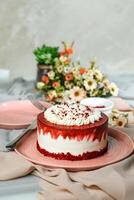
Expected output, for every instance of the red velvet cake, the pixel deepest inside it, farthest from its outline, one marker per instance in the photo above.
(72, 132)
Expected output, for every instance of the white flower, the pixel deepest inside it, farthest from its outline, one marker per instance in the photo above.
(68, 85)
(76, 73)
(77, 94)
(90, 72)
(94, 93)
(60, 68)
(113, 89)
(67, 69)
(51, 75)
(40, 85)
(90, 84)
(121, 121)
(98, 75)
(63, 59)
(105, 91)
(88, 75)
(79, 82)
(75, 69)
(118, 118)
(66, 95)
(106, 83)
(52, 94)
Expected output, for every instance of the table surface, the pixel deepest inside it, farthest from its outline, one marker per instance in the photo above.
(27, 187)
(21, 188)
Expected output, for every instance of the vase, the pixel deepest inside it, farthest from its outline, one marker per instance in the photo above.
(41, 71)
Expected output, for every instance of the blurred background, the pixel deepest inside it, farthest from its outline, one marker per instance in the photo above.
(101, 29)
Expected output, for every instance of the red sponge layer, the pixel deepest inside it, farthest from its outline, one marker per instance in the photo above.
(69, 156)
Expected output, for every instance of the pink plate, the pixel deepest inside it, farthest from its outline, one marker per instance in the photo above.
(17, 114)
(120, 147)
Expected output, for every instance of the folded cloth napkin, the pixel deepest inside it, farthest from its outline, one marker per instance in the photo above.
(112, 182)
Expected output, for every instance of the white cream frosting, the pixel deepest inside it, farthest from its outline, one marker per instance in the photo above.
(61, 145)
(70, 115)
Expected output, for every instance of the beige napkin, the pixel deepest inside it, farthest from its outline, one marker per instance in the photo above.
(108, 183)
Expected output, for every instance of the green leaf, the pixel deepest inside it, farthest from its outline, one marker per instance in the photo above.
(60, 89)
(41, 54)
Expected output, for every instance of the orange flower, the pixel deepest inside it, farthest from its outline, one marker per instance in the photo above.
(67, 61)
(45, 79)
(69, 77)
(62, 53)
(56, 84)
(64, 59)
(68, 51)
(83, 71)
(49, 98)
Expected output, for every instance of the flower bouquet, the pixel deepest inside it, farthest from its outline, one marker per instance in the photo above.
(69, 81)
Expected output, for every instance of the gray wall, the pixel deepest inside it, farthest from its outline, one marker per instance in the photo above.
(101, 28)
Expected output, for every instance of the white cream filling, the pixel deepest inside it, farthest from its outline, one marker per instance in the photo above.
(70, 115)
(61, 145)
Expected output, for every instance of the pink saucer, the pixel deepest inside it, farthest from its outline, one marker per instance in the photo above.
(120, 147)
(17, 114)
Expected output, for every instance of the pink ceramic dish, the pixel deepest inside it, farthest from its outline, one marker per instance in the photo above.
(120, 147)
(17, 114)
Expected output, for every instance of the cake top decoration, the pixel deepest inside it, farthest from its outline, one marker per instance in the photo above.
(71, 115)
